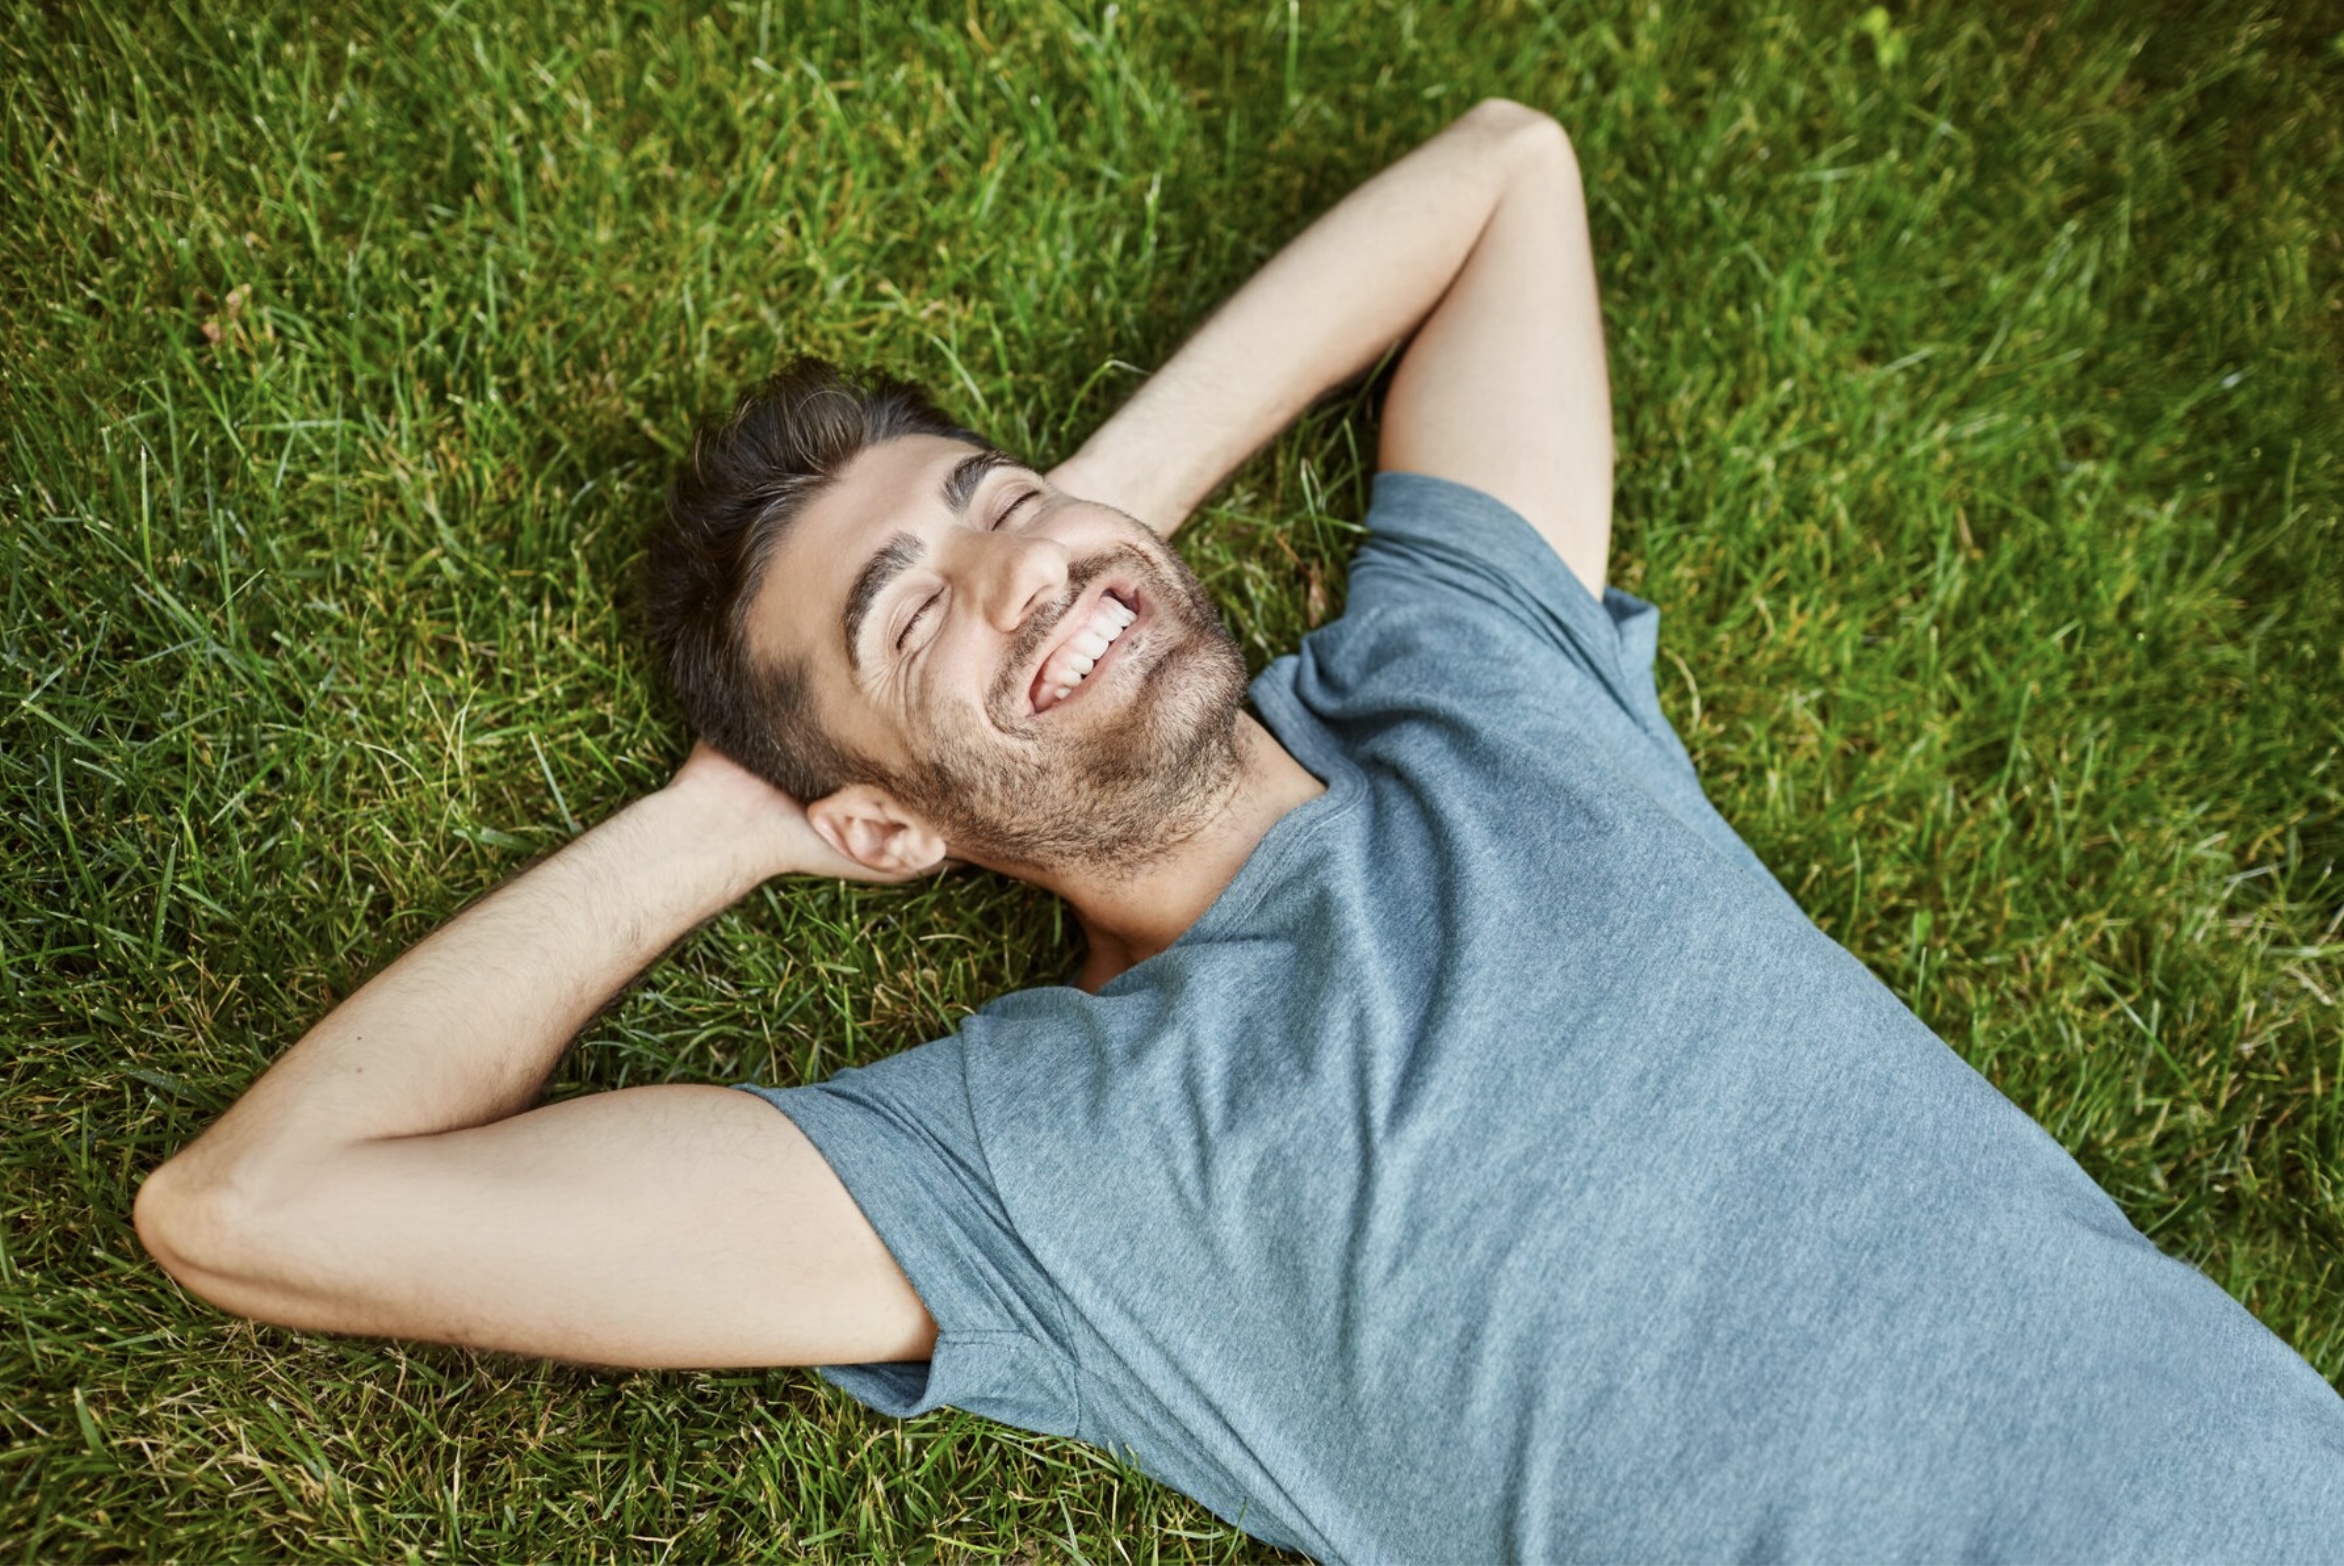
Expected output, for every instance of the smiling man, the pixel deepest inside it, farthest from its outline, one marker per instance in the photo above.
(1035, 677)
(1455, 1144)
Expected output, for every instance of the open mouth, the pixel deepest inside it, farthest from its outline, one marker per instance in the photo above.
(1089, 640)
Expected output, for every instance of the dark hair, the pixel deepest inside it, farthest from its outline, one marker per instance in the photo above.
(728, 506)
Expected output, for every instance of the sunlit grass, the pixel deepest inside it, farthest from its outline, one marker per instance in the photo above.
(1980, 435)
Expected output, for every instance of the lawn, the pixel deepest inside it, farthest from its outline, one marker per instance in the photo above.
(1980, 387)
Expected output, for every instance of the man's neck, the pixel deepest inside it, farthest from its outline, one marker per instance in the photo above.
(1129, 915)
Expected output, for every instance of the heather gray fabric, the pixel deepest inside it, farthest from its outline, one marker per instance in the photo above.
(1504, 1168)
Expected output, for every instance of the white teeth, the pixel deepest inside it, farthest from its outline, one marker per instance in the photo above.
(1081, 652)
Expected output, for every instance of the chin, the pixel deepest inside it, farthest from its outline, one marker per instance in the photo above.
(1120, 785)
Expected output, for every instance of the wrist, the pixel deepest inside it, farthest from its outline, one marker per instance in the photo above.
(1157, 482)
(720, 849)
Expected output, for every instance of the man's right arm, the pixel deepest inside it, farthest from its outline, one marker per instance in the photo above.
(1476, 243)
(387, 1176)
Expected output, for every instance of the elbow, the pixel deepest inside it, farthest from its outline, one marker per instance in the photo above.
(252, 1236)
(1526, 147)
(1524, 139)
(190, 1224)
(169, 1214)
(1514, 124)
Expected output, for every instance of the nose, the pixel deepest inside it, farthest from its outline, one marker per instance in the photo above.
(1015, 574)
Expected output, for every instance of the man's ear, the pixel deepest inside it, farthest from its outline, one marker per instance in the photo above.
(871, 827)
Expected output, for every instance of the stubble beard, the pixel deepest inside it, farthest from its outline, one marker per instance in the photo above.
(1110, 795)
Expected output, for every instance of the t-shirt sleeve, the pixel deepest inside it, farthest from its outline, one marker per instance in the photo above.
(1432, 541)
(900, 1136)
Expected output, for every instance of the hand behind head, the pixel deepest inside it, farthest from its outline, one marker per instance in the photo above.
(774, 836)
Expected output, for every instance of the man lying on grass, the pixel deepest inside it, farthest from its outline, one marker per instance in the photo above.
(1455, 1145)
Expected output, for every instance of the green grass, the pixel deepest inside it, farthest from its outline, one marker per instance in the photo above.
(1981, 435)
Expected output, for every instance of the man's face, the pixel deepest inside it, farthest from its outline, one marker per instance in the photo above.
(1038, 676)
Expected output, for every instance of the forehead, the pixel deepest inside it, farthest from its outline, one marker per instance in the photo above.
(889, 488)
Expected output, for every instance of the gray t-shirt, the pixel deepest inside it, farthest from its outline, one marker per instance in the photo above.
(1504, 1167)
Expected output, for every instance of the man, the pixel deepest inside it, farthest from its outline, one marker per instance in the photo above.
(1456, 1145)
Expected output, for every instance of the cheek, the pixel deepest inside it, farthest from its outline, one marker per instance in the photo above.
(948, 697)
(959, 669)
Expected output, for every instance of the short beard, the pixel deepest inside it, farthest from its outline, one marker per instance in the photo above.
(1116, 798)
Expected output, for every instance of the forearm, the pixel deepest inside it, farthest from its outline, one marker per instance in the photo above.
(1353, 284)
(465, 1028)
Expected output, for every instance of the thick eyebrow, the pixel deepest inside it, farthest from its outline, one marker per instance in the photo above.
(960, 485)
(903, 551)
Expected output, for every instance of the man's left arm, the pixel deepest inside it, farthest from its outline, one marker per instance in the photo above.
(1477, 244)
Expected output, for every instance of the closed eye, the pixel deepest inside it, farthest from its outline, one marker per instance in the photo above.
(918, 615)
(1011, 509)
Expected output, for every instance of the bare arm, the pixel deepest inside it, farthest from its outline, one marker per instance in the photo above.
(386, 1176)
(1477, 244)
